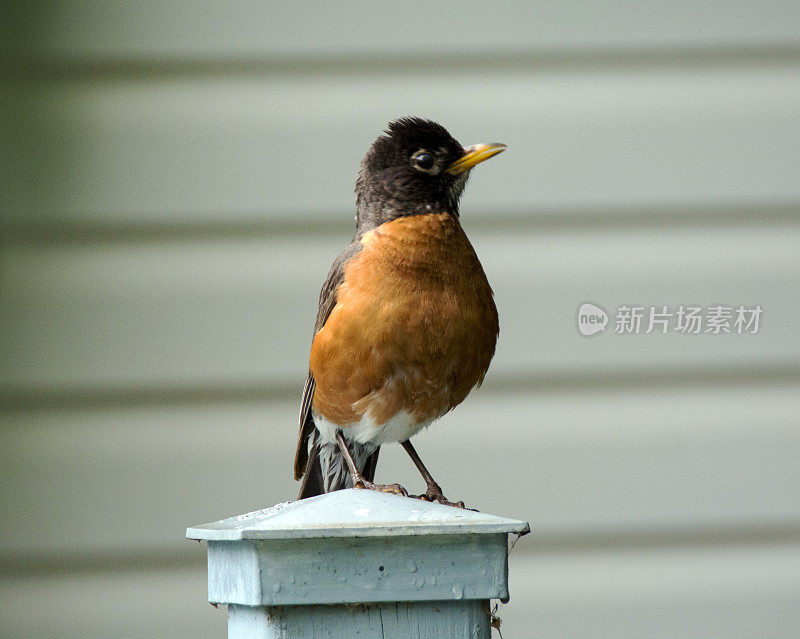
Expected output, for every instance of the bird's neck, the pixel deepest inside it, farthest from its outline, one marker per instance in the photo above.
(373, 215)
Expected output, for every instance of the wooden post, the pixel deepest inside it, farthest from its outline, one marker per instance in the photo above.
(358, 563)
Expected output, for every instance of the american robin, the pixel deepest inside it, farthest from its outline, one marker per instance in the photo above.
(406, 325)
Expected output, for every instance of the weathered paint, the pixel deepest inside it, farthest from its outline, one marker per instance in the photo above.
(421, 620)
(358, 563)
(355, 513)
(358, 569)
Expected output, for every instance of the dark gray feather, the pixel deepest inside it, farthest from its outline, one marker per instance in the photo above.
(327, 300)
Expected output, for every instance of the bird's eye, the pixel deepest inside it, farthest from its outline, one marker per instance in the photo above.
(423, 160)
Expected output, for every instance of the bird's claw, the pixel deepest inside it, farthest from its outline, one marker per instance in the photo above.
(394, 489)
(434, 493)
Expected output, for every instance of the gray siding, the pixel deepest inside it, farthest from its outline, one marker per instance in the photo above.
(179, 182)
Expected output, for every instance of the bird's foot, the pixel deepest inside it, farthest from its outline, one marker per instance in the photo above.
(395, 489)
(434, 493)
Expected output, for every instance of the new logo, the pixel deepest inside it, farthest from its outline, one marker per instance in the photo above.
(591, 319)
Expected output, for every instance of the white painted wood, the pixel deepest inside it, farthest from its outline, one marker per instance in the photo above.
(234, 314)
(653, 159)
(99, 30)
(427, 620)
(712, 591)
(675, 463)
(391, 567)
(91, 604)
(286, 148)
(315, 567)
(354, 513)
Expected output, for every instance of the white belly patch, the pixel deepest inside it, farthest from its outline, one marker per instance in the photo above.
(399, 428)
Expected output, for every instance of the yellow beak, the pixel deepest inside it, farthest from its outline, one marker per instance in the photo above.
(474, 155)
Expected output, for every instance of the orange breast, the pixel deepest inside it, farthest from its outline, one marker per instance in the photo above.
(414, 327)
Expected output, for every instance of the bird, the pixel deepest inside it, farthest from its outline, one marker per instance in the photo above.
(406, 324)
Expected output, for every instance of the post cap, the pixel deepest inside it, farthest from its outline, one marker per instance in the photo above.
(354, 513)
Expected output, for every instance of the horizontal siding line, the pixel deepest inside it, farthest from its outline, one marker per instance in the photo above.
(536, 543)
(79, 397)
(101, 562)
(545, 60)
(733, 534)
(249, 226)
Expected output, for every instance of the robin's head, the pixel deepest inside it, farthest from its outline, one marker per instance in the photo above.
(416, 168)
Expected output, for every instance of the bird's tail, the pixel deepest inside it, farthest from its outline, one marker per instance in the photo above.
(327, 470)
(312, 479)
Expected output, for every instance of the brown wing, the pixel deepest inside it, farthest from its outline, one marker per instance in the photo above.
(327, 300)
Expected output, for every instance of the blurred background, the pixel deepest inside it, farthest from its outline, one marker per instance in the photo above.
(177, 179)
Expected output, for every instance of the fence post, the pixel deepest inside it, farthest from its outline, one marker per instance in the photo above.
(358, 563)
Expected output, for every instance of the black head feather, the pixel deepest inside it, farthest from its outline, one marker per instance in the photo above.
(404, 174)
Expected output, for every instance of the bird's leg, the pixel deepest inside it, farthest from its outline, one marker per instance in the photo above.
(358, 479)
(434, 492)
